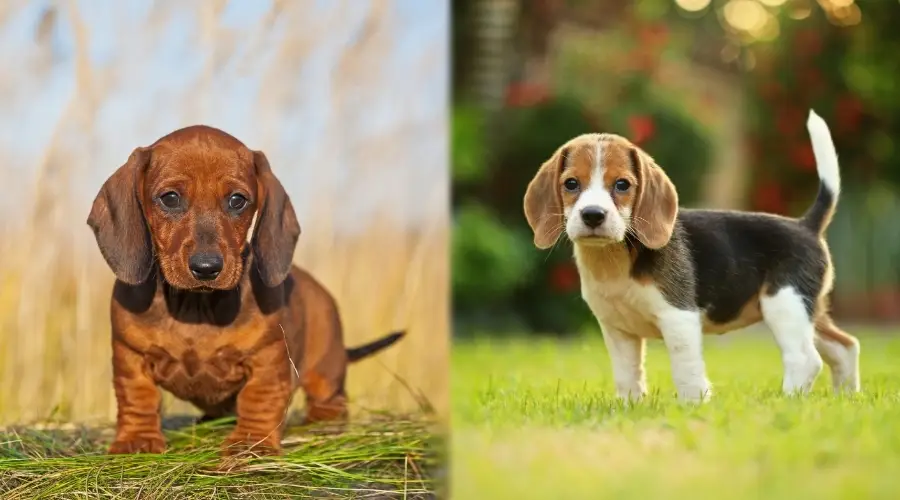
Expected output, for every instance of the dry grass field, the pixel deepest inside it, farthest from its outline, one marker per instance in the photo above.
(359, 146)
(378, 245)
(386, 458)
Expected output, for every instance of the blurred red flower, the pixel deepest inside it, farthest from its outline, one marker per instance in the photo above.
(653, 34)
(771, 91)
(642, 128)
(803, 157)
(848, 111)
(564, 277)
(807, 43)
(525, 94)
(642, 61)
(769, 197)
(789, 120)
(811, 80)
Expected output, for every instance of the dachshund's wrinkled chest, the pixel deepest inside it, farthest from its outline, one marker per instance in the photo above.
(204, 378)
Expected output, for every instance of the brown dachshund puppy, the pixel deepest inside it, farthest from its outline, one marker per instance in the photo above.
(203, 308)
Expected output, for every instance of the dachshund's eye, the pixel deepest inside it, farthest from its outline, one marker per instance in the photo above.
(170, 200)
(622, 185)
(237, 202)
(571, 184)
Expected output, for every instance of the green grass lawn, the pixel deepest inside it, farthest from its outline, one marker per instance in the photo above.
(538, 419)
(383, 459)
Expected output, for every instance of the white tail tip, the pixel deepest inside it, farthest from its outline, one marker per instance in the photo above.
(815, 121)
(823, 148)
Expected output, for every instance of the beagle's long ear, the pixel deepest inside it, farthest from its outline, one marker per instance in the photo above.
(656, 206)
(277, 229)
(118, 221)
(543, 203)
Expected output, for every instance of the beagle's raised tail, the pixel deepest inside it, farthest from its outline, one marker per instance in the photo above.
(819, 214)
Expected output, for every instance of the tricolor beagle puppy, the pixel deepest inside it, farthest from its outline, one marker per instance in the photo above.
(651, 270)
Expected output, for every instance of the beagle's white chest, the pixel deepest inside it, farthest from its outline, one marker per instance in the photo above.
(624, 305)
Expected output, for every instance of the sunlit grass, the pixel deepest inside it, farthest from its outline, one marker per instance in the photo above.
(537, 419)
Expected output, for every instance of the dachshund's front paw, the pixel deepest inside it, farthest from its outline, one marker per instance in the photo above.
(249, 443)
(138, 444)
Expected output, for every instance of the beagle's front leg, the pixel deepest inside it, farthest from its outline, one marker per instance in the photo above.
(626, 355)
(682, 332)
(262, 403)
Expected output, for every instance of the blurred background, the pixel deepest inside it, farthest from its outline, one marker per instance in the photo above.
(718, 91)
(347, 98)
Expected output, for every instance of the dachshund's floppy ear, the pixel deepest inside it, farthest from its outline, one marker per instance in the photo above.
(277, 229)
(656, 205)
(543, 203)
(118, 222)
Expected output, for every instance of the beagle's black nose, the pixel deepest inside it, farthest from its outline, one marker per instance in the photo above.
(206, 266)
(593, 216)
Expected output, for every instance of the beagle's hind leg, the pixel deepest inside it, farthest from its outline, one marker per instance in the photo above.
(786, 314)
(840, 351)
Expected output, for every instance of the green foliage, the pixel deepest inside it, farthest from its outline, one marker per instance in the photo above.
(528, 137)
(612, 80)
(489, 259)
(675, 140)
(593, 89)
(847, 74)
(552, 303)
(531, 134)
(864, 239)
(652, 10)
(468, 156)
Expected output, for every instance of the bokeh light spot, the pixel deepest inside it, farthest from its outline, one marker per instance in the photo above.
(693, 5)
(846, 16)
(747, 16)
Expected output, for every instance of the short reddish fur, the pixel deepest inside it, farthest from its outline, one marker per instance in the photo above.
(237, 344)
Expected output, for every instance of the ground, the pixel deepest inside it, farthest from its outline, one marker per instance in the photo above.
(388, 458)
(537, 419)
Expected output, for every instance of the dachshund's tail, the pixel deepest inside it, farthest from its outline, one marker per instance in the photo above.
(366, 350)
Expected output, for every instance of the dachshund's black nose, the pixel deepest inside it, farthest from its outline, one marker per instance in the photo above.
(206, 266)
(593, 216)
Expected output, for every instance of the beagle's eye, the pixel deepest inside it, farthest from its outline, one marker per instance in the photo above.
(237, 202)
(622, 185)
(170, 200)
(571, 184)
